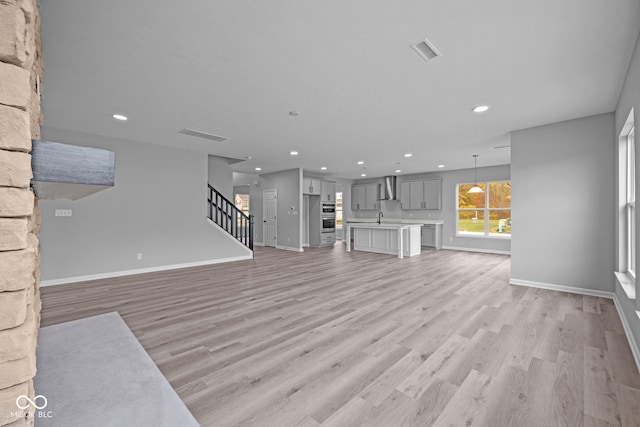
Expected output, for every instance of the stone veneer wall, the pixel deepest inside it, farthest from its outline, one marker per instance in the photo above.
(21, 72)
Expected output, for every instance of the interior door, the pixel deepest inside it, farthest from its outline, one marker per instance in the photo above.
(270, 217)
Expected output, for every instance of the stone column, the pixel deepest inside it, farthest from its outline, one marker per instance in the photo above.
(20, 118)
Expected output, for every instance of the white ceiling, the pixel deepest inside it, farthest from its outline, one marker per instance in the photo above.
(236, 68)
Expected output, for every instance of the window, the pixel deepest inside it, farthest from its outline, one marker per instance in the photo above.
(487, 213)
(626, 201)
(630, 240)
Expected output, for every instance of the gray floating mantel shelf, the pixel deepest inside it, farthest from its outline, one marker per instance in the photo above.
(70, 172)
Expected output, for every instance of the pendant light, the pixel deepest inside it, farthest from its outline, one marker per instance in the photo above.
(475, 188)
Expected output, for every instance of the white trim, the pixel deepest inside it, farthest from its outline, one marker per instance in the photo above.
(289, 248)
(258, 244)
(231, 238)
(627, 331)
(635, 350)
(486, 210)
(562, 288)
(627, 283)
(473, 235)
(487, 251)
(140, 271)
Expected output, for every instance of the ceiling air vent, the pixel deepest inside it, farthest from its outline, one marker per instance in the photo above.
(204, 135)
(426, 49)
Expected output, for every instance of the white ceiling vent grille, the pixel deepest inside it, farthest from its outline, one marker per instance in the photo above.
(426, 50)
(204, 135)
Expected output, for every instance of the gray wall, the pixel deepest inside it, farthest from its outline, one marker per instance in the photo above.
(221, 176)
(157, 207)
(391, 208)
(562, 201)
(240, 179)
(630, 98)
(288, 184)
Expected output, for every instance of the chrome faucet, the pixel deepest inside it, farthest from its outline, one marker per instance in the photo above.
(380, 214)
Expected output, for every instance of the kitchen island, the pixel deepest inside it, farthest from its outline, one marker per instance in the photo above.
(385, 238)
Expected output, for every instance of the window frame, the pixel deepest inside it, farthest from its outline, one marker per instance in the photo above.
(486, 234)
(626, 267)
(630, 204)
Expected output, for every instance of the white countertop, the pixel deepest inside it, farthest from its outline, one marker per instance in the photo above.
(375, 224)
(353, 221)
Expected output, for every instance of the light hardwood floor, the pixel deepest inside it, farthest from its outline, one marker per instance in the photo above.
(332, 338)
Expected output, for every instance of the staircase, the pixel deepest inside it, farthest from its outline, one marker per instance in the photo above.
(231, 219)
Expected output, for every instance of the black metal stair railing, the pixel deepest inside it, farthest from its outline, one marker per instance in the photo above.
(235, 222)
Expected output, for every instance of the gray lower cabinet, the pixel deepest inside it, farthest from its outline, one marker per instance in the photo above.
(432, 236)
(327, 238)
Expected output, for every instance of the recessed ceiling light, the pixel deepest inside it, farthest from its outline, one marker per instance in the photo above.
(324, 168)
(480, 108)
(120, 117)
(258, 169)
(440, 166)
(363, 174)
(398, 171)
(360, 162)
(294, 153)
(408, 155)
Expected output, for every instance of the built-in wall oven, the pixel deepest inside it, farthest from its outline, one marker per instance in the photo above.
(328, 217)
(328, 225)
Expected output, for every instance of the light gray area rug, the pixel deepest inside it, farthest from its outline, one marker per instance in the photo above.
(94, 372)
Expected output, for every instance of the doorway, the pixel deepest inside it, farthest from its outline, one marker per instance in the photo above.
(270, 217)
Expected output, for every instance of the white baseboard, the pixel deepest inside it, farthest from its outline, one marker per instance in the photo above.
(627, 331)
(289, 248)
(635, 350)
(109, 275)
(486, 251)
(286, 248)
(562, 288)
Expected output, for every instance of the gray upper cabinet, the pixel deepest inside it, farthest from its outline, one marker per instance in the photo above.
(432, 194)
(328, 191)
(372, 191)
(425, 194)
(311, 186)
(416, 194)
(405, 195)
(357, 197)
(365, 197)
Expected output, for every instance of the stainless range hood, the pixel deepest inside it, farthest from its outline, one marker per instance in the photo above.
(389, 189)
